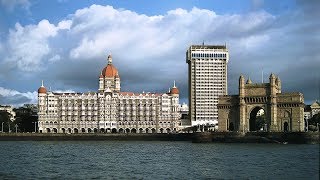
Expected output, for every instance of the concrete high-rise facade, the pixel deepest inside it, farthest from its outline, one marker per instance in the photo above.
(207, 66)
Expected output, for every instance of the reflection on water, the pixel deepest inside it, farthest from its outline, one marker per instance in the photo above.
(156, 160)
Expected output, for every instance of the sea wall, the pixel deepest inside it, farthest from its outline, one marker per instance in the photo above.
(216, 137)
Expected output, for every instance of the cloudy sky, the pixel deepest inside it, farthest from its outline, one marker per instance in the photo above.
(65, 43)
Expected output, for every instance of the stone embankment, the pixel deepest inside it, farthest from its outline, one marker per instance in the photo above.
(216, 137)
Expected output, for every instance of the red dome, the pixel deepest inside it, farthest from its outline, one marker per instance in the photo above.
(174, 90)
(42, 89)
(109, 71)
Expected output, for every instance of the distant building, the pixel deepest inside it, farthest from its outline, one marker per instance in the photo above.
(311, 110)
(315, 108)
(283, 111)
(307, 112)
(8, 109)
(260, 112)
(207, 66)
(109, 109)
(184, 111)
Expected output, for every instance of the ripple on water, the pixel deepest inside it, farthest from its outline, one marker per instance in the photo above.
(156, 160)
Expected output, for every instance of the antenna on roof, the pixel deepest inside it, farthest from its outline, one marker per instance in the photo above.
(203, 43)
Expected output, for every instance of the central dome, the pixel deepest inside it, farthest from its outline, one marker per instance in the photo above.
(109, 71)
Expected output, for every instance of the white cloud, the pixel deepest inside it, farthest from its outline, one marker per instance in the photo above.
(28, 47)
(149, 51)
(92, 32)
(102, 28)
(16, 98)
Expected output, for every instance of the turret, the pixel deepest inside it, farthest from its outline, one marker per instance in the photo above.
(272, 79)
(278, 83)
(42, 89)
(249, 81)
(241, 85)
(174, 90)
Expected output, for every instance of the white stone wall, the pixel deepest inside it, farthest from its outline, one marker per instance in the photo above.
(107, 111)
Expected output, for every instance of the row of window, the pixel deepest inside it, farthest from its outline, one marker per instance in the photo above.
(209, 55)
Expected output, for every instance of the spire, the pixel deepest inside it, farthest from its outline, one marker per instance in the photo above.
(42, 83)
(174, 84)
(110, 59)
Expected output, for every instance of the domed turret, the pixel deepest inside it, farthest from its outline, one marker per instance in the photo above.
(42, 89)
(174, 89)
(109, 71)
(249, 81)
(101, 76)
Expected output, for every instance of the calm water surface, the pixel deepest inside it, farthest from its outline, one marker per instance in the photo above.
(156, 160)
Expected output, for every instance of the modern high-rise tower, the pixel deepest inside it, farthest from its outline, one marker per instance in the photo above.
(207, 66)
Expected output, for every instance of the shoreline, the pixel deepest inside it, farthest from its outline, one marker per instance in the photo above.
(198, 137)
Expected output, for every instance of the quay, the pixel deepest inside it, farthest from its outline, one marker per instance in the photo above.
(198, 137)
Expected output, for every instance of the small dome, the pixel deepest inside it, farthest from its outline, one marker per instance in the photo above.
(174, 90)
(101, 76)
(117, 75)
(249, 81)
(42, 89)
(109, 71)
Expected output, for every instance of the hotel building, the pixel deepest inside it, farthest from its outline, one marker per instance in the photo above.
(109, 109)
(207, 66)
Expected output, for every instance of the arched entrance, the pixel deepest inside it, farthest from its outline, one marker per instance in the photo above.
(83, 130)
(63, 130)
(76, 130)
(257, 121)
(89, 130)
(140, 130)
(55, 130)
(48, 130)
(161, 130)
(133, 130)
(114, 130)
(120, 130)
(153, 130)
(168, 130)
(231, 126)
(69, 130)
(285, 127)
(127, 130)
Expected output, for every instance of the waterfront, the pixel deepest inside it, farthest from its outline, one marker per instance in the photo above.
(156, 160)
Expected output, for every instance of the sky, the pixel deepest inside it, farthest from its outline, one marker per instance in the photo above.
(65, 43)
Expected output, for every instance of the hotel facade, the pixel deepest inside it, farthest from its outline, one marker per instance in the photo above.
(207, 66)
(109, 110)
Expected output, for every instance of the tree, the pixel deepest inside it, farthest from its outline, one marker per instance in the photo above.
(314, 120)
(5, 119)
(260, 122)
(25, 119)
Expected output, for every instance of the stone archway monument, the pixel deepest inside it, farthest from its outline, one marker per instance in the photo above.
(282, 111)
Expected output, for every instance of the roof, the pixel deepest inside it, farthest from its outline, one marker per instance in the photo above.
(110, 71)
(208, 47)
